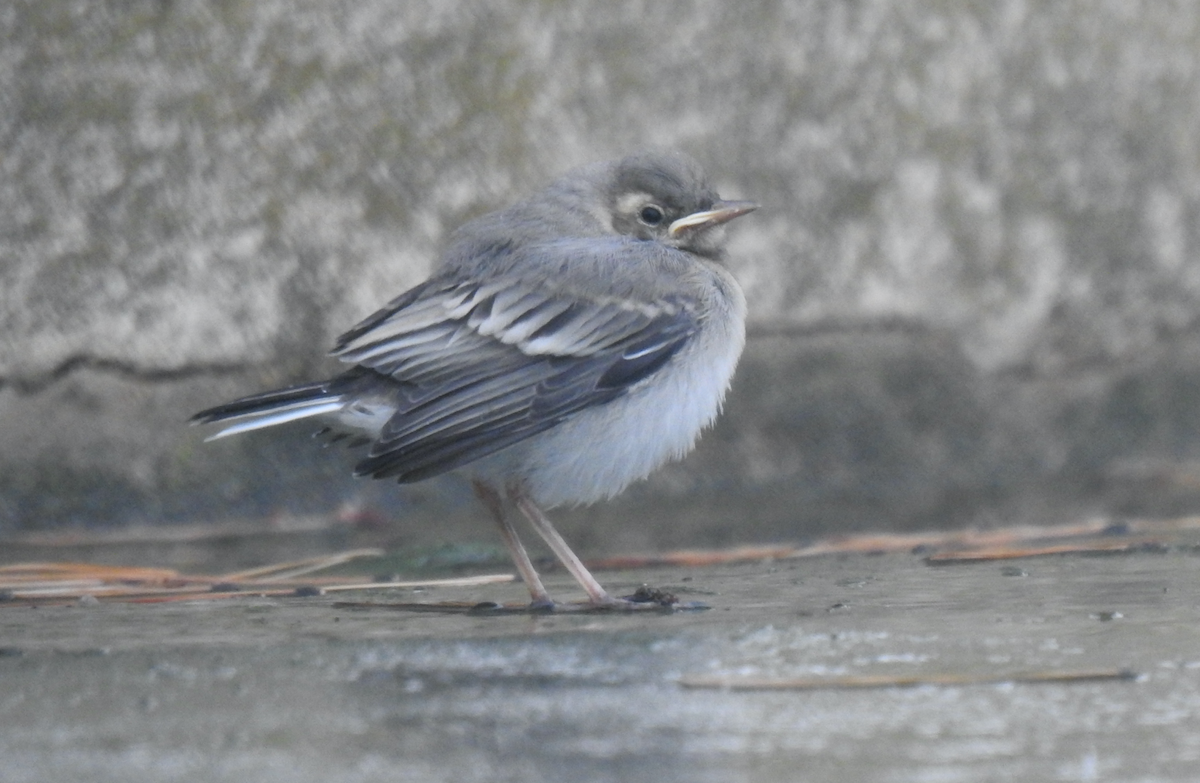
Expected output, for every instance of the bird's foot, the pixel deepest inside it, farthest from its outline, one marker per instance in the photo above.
(645, 598)
(542, 605)
(652, 595)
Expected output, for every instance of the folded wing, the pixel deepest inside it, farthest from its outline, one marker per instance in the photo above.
(483, 365)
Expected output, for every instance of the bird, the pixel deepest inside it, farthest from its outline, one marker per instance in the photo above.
(560, 349)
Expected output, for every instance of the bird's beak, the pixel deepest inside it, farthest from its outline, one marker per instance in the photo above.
(721, 212)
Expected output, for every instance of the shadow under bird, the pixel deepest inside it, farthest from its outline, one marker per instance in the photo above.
(562, 348)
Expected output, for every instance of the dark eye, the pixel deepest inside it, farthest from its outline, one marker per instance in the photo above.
(651, 215)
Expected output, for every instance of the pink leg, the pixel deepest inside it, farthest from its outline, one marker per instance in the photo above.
(495, 504)
(596, 594)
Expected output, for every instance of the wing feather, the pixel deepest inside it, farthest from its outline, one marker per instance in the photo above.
(480, 365)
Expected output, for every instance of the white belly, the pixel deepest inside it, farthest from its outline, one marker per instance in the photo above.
(599, 452)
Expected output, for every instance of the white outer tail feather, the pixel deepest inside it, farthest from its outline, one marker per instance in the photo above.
(261, 419)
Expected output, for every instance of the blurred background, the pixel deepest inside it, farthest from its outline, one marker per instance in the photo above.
(972, 286)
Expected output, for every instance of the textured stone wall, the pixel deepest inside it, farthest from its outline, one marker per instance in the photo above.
(973, 284)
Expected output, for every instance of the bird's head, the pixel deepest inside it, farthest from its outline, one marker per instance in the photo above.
(665, 197)
(651, 196)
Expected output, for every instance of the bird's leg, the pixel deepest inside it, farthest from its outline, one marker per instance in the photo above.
(596, 594)
(495, 504)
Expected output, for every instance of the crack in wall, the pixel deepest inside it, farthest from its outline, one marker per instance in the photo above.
(124, 369)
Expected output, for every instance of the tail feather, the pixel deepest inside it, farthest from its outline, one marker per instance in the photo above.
(278, 416)
(271, 408)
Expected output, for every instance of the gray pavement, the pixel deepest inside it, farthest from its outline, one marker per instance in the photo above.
(302, 690)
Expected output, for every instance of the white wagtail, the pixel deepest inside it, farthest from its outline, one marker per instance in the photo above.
(561, 349)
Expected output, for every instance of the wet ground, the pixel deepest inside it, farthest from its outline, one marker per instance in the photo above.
(302, 689)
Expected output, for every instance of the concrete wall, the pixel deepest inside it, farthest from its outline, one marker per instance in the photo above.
(973, 284)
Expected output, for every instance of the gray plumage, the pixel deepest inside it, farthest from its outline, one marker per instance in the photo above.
(561, 349)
